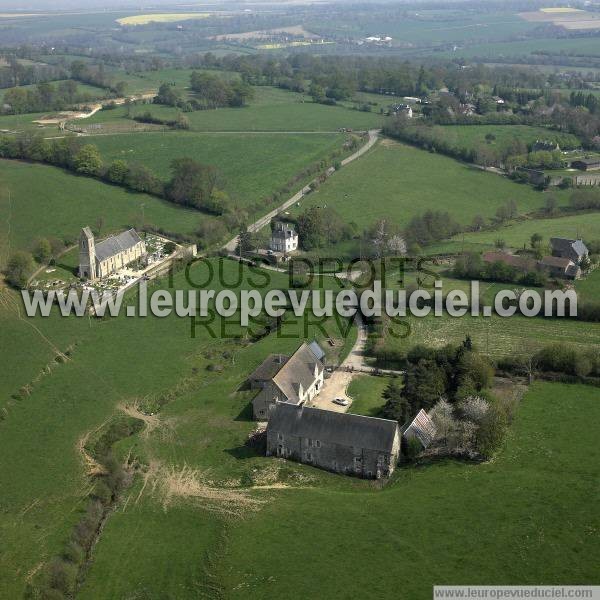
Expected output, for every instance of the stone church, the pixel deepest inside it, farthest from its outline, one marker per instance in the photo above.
(100, 259)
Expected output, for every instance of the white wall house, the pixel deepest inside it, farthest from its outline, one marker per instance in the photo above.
(284, 238)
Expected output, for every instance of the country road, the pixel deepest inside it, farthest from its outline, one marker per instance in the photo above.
(231, 245)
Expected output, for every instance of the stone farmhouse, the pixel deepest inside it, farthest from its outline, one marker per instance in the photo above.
(356, 445)
(574, 250)
(284, 238)
(586, 164)
(109, 255)
(561, 267)
(294, 379)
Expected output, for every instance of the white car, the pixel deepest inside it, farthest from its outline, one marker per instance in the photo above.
(341, 401)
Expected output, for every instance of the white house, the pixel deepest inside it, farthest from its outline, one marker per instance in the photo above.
(294, 379)
(284, 238)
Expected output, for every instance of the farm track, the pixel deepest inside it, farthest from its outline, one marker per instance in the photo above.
(230, 246)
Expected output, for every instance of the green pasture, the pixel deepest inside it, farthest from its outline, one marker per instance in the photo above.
(251, 166)
(397, 182)
(43, 201)
(518, 234)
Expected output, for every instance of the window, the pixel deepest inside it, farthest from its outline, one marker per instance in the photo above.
(280, 437)
(317, 443)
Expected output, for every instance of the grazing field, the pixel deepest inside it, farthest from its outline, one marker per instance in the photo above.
(495, 336)
(397, 182)
(473, 136)
(42, 201)
(518, 235)
(432, 514)
(239, 158)
(272, 109)
(588, 288)
(205, 424)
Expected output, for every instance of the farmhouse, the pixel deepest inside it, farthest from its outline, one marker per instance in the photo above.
(293, 379)
(518, 262)
(366, 447)
(561, 267)
(284, 238)
(402, 109)
(109, 255)
(544, 145)
(586, 164)
(574, 250)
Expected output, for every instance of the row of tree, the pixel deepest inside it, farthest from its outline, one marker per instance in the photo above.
(192, 183)
(43, 97)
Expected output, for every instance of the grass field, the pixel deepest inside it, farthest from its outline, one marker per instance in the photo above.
(272, 109)
(496, 336)
(366, 393)
(397, 182)
(42, 201)
(473, 136)
(432, 516)
(240, 158)
(588, 288)
(517, 235)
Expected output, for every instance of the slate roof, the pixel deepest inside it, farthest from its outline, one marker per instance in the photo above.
(114, 244)
(298, 370)
(573, 249)
(317, 350)
(421, 427)
(352, 431)
(556, 261)
(269, 367)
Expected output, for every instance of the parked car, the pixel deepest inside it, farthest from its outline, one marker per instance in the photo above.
(341, 401)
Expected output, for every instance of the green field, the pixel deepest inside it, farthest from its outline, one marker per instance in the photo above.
(517, 235)
(495, 336)
(43, 201)
(397, 182)
(588, 288)
(240, 158)
(431, 516)
(101, 374)
(271, 110)
(366, 391)
(473, 136)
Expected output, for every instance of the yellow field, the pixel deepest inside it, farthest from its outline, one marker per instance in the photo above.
(276, 46)
(160, 18)
(564, 9)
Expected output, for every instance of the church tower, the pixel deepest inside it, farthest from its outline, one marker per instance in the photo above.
(87, 254)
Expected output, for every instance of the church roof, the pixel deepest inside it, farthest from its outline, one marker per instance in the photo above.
(345, 429)
(115, 244)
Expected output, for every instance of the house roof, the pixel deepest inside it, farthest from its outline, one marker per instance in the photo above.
(317, 350)
(565, 245)
(344, 429)
(556, 261)
(509, 259)
(298, 371)
(421, 427)
(269, 367)
(114, 244)
(588, 161)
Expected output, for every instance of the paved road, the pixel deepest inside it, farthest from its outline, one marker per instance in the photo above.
(231, 245)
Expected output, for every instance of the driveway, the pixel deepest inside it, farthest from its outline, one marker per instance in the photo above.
(337, 384)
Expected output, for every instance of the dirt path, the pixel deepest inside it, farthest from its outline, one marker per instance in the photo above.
(230, 246)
